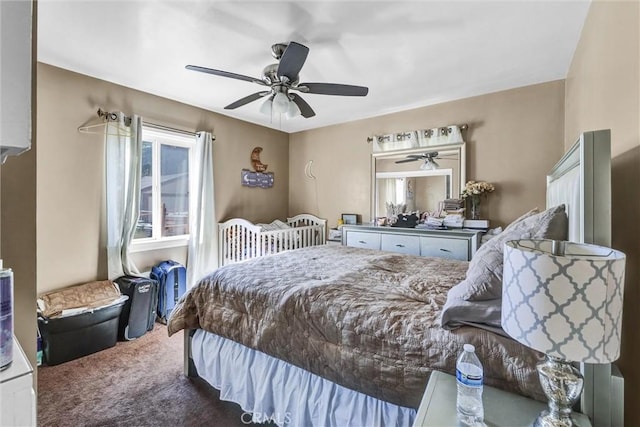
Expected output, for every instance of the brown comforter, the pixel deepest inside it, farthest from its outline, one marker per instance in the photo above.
(367, 320)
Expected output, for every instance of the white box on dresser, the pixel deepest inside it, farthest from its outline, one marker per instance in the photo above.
(17, 398)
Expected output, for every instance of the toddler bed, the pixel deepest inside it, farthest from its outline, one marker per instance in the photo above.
(241, 240)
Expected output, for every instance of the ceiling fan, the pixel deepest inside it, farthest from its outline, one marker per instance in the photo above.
(429, 160)
(281, 79)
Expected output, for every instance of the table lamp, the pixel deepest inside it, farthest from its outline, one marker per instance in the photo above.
(563, 299)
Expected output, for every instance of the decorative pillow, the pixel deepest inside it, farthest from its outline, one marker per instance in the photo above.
(274, 225)
(484, 275)
(524, 216)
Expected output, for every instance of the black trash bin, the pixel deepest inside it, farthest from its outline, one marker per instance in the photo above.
(79, 320)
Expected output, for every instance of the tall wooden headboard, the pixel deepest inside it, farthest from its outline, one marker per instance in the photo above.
(582, 181)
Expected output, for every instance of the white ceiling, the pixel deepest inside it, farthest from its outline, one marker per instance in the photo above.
(409, 54)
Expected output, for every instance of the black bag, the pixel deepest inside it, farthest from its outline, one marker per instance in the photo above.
(139, 312)
(406, 221)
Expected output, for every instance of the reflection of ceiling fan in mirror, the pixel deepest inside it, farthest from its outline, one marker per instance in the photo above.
(429, 160)
(280, 79)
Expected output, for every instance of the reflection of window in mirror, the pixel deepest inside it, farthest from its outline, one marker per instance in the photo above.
(423, 192)
(393, 190)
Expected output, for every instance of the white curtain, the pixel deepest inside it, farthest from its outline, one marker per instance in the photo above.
(203, 230)
(390, 193)
(123, 166)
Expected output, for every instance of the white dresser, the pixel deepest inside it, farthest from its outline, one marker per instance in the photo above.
(17, 398)
(453, 244)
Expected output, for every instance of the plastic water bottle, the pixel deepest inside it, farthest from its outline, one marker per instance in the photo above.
(469, 378)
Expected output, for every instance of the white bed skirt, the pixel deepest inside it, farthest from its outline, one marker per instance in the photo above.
(273, 390)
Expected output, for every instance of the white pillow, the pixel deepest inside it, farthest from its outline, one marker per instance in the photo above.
(484, 275)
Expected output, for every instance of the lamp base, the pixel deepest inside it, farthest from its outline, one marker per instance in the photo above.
(545, 419)
(562, 384)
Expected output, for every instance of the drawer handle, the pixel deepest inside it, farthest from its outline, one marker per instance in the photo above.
(362, 242)
(399, 246)
(445, 250)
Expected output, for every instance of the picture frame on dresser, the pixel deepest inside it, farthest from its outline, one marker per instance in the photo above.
(349, 219)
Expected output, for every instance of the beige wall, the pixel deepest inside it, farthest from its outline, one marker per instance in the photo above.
(603, 92)
(19, 242)
(70, 171)
(514, 138)
(18, 223)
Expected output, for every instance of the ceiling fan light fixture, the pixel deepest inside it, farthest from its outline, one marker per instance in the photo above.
(266, 106)
(280, 103)
(429, 164)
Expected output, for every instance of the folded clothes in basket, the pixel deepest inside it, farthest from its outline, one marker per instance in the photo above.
(79, 298)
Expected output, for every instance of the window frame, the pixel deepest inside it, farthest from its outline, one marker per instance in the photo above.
(158, 138)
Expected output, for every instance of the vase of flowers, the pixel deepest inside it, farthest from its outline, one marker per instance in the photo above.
(472, 192)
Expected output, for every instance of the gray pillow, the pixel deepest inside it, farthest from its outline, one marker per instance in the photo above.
(484, 275)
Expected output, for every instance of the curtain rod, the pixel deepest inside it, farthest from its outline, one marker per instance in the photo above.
(168, 128)
(107, 116)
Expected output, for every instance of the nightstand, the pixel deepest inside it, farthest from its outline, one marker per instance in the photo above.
(501, 408)
(17, 398)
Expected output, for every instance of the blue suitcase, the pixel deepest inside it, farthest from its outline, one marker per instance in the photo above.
(172, 284)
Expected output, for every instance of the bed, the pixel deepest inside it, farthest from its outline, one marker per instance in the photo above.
(334, 335)
(364, 320)
(582, 181)
(241, 240)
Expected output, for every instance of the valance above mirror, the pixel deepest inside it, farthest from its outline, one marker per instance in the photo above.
(446, 135)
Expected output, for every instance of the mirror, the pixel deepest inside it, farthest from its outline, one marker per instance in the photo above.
(416, 184)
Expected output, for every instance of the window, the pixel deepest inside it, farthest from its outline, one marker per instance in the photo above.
(164, 189)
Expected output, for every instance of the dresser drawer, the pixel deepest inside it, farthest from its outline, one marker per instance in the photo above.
(404, 244)
(361, 239)
(445, 247)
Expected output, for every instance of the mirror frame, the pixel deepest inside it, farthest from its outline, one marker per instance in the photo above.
(462, 164)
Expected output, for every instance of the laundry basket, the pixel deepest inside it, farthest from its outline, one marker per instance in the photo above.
(79, 320)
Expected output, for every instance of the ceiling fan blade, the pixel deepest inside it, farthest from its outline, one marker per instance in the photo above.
(225, 74)
(305, 109)
(247, 99)
(407, 160)
(292, 60)
(333, 89)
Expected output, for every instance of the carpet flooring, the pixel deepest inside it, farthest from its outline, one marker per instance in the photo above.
(135, 383)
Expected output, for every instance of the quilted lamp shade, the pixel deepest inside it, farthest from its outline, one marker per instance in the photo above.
(565, 303)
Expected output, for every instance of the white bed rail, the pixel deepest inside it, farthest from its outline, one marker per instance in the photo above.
(241, 240)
